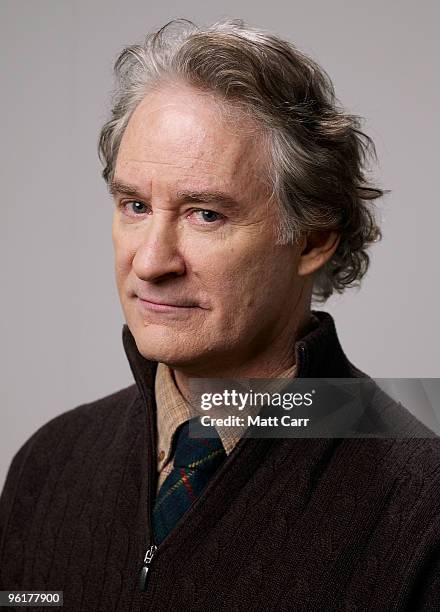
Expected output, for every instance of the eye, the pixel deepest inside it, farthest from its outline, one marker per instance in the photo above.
(137, 207)
(134, 207)
(208, 216)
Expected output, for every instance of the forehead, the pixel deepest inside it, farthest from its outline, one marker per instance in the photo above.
(178, 134)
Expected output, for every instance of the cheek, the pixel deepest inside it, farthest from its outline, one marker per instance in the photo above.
(254, 282)
(233, 275)
(124, 254)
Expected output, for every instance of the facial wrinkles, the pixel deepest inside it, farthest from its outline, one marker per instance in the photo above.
(232, 270)
(215, 151)
(160, 192)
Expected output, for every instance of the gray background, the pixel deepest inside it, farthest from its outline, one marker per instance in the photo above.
(61, 318)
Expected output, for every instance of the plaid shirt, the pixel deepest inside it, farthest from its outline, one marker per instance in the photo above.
(173, 410)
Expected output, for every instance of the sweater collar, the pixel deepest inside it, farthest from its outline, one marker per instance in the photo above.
(318, 355)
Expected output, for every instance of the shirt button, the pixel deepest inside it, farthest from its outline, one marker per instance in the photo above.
(161, 455)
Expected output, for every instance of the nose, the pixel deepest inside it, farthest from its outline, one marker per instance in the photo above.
(157, 256)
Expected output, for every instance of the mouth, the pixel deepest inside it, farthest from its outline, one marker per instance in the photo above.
(174, 307)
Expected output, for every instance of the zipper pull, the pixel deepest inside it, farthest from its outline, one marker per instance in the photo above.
(146, 566)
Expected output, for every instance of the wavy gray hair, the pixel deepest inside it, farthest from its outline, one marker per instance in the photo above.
(316, 153)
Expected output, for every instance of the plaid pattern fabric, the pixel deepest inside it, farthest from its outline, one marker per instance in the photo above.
(195, 460)
(173, 410)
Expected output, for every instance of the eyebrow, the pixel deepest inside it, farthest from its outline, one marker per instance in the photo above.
(219, 198)
(123, 188)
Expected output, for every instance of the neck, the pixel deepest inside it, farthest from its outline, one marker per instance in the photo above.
(273, 361)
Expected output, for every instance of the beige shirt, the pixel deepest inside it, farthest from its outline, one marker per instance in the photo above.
(173, 410)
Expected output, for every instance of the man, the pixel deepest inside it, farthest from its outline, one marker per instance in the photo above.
(239, 194)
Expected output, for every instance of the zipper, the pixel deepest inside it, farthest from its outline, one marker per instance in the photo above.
(151, 479)
(143, 577)
(138, 375)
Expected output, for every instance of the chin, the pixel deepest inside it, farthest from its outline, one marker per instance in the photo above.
(166, 345)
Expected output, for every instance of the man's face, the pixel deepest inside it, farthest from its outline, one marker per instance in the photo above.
(201, 282)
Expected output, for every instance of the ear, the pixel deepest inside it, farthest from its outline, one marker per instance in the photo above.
(318, 248)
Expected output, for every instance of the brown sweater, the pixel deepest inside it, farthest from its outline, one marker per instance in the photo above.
(301, 524)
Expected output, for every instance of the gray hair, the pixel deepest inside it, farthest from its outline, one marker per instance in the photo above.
(316, 153)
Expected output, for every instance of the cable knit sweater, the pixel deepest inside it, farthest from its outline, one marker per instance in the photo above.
(301, 524)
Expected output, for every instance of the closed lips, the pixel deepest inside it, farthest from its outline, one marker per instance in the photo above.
(164, 303)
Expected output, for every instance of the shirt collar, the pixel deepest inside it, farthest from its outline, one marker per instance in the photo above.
(173, 410)
(317, 354)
